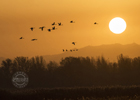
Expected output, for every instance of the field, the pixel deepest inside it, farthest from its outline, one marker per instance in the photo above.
(77, 93)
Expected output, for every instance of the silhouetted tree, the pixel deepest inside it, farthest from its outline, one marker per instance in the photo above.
(21, 64)
(72, 71)
(6, 66)
(124, 63)
(52, 65)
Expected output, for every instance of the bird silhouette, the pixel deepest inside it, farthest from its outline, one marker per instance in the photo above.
(73, 43)
(95, 23)
(71, 50)
(41, 28)
(32, 28)
(49, 30)
(76, 49)
(59, 24)
(53, 28)
(33, 39)
(21, 38)
(53, 23)
(72, 21)
(63, 50)
(66, 50)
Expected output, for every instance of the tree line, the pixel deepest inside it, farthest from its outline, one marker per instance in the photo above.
(72, 72)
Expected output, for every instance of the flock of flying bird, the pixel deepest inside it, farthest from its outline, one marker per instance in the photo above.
(53, 28)
(71, 49)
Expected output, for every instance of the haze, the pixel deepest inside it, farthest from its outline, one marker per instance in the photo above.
(17, 16)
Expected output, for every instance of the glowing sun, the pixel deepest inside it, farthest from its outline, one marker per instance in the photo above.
(117, 25)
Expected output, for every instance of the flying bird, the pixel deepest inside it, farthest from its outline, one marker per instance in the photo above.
(66, 50)
(53, 28)
(49, 30)
(76, 49)
(72, 21)
(32, 28)
(21, 38)
(33, 39)
(41, 28)
(95, 23)
(59, 24)
(63, 50)
(71, 50)
(73, 43)
(53, 23)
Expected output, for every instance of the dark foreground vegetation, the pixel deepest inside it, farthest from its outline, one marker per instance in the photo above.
(89, 74)
(72, 72)
(92, 93)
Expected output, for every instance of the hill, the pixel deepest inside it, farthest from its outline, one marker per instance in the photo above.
(110, 52)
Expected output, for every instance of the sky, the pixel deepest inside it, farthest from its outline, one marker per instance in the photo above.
(17, 16)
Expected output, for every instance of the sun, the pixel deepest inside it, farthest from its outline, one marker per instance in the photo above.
(117, 25)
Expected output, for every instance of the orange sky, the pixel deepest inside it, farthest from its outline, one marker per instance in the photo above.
(17, 16)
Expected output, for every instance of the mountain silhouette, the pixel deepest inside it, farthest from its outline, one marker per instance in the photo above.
(110, 52)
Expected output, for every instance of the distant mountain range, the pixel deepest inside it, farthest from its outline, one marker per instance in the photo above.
(110, 52)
